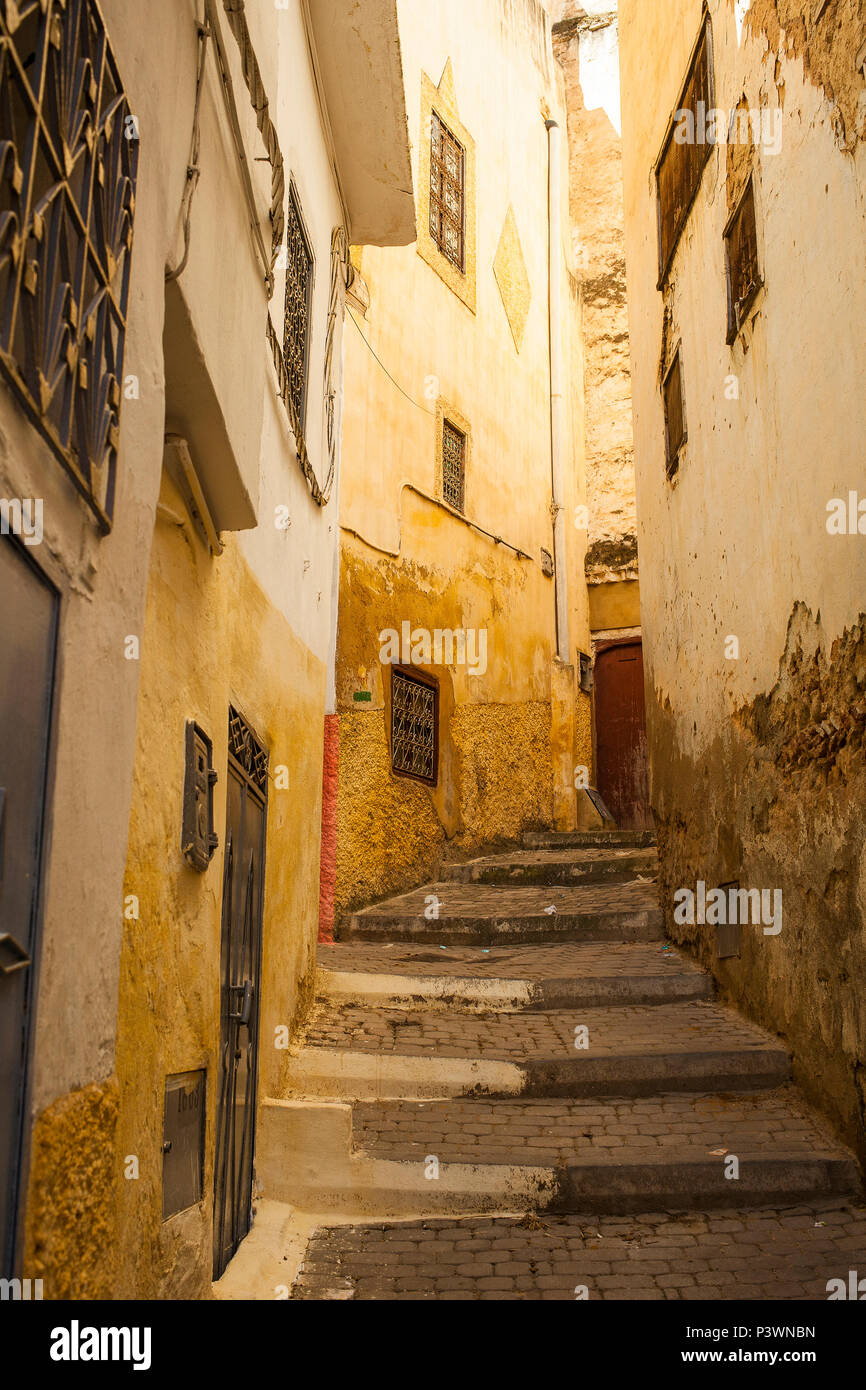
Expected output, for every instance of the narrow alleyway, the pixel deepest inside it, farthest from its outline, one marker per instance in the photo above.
(557, 1100)
(432, 667)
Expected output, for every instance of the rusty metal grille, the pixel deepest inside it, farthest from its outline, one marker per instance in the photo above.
(675, 415)
(447, 192)
(250, 755)
(453, 466)
(681, 165)
(299, 284)
(414, 727)
(741, 246)
(68, 167)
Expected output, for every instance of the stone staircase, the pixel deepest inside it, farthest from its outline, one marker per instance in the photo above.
(519, 1037)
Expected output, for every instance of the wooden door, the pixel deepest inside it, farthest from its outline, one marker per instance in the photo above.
(620, 734)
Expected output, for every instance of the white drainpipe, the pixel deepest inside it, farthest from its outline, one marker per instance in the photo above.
(557, 377)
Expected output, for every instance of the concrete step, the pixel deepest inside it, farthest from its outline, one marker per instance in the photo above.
(672, 1151)
(410, 1159)
(589, 839)
(548, 867)
(366, 1054)
(461, 914)
(305, 1158)
(520, 979)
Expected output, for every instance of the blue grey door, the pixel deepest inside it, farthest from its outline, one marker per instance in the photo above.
(28, 625)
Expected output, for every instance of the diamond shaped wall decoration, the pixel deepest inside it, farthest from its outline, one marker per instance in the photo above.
(512, 277)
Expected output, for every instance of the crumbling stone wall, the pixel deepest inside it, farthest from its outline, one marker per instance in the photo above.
(596, 205)
(824, 36)
(782, 800)
(752, 607)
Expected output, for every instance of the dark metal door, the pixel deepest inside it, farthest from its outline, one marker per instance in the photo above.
(240, 966)
(28, 627)
(620, 735)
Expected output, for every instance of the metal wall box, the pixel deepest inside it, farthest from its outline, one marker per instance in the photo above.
(183, 1141)
(198, 840)
(586, 681)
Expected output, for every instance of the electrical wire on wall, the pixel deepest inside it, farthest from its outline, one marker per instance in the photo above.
(193, 172)
(437, 501)
(339, 271)
(394, 382)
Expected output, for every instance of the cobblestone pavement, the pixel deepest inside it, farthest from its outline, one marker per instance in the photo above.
(625, 1031)
(772, 1254)
(566, 961)
(771, 1124)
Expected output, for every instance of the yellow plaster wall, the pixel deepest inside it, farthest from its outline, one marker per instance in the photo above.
(496, 737)
(211, 637)
(418, 353)
(583, 734)
(390, 830)
(72, 1238)
(614, 605)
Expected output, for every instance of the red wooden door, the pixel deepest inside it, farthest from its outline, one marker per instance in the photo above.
(620, 735)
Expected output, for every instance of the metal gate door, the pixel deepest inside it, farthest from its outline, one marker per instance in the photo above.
(240, 966)
(620, 735)
(28, 627)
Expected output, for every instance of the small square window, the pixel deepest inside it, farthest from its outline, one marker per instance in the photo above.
(675, 413)
(447, 192)
(453, 465)
(299, 286)
(414, 726)
(741, 259)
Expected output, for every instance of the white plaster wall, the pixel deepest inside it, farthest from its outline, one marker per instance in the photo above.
(741, 535)
(104, 580)
(296, 566)
(103, 583)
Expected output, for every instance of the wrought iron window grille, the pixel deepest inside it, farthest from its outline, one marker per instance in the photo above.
(453, 466)
(299, 291)
(68, 169)
(414, 726)
(235, 13)
(447, 193)
(248, 752)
